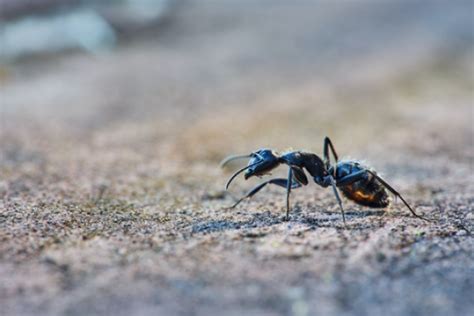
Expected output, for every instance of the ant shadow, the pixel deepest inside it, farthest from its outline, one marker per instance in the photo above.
(312, 219)
(358, 214)
(260, 219)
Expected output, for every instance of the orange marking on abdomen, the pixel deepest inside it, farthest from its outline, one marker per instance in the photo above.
(361, 195)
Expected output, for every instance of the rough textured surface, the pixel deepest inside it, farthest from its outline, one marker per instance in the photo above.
(111, 196)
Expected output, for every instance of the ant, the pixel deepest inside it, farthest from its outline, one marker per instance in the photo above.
(357, 182)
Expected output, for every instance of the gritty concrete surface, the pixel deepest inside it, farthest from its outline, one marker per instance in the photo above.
(112, 201)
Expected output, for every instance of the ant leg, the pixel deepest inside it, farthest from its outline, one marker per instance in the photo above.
(299, 175)
(328, 145)
(349, 179)
(288, 190)
(363, 174)
(333, 184)
(385, 184)
(327, 161)
(294, 181)
(278, 181)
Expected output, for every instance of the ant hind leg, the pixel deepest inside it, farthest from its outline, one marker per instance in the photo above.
(391, 189)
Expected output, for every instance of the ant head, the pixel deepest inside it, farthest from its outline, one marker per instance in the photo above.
(261, 162)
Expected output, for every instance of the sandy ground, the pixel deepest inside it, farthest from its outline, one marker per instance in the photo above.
(112, 200)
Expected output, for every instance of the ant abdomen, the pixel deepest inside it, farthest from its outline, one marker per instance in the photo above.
(367, 191)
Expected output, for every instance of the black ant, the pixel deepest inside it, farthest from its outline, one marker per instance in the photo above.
(357, 182)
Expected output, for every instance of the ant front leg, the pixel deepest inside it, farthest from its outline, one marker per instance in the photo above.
(277, 181)
(295, 175)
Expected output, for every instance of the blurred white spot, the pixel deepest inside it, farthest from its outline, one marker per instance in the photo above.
(80, 29)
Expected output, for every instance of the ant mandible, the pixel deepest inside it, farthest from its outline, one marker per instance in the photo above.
(357, 182)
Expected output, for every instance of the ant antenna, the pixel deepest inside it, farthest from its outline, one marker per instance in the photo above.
(238, 172)
(231, 158)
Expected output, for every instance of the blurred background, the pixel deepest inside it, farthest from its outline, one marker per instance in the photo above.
(135, 102)
(99, 62)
